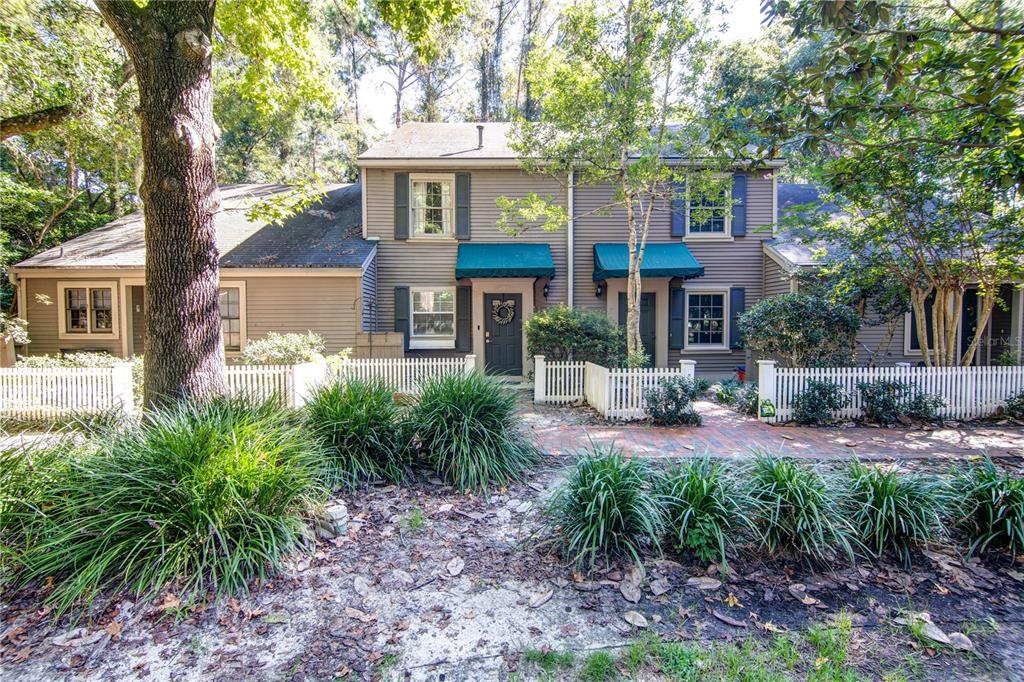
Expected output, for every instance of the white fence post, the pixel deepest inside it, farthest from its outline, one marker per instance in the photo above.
(470, 364)
(539, 379)
(688, 368)
(306, 377)
(121, 389)
(765, 386)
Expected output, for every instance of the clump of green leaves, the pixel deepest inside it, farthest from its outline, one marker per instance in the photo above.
(818, 401)
(564, 333)
(204, 495)
(799, 510)
(705, 507)
(891, 510)
(365, 430)
(1015, 406)
(991, 508)
(284, 349)
(468, 429)
(887, 401)
(671, 403)
(607, 508)
(808, 331)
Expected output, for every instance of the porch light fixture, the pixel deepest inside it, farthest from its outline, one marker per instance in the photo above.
(547, 290)
(599, 290)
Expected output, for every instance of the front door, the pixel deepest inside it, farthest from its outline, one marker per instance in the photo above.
(648, 326)
(503, 333)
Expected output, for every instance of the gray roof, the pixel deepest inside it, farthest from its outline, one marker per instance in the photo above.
(799, 250)
(325, 235)
(444, 141)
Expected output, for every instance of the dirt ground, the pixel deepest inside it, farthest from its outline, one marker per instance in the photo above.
(428, 584)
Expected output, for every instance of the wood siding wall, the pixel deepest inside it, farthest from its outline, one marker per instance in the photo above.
(776, 280)
(425, 262)
(44, 309)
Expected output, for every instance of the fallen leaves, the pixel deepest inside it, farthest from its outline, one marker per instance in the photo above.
(728, 620)
(702, 582)
(171, 601)
(113, 629)
(361, 616)
(455, 566)
(799, 592)
(635, 618)
(538, 599)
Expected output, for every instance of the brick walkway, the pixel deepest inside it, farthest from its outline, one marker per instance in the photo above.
(726, 434)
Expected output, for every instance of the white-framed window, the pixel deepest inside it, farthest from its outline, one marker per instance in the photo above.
(707, 319)
(433, 205)
(88, 310)
(432, 317)
(709, 215)
(911, 342)
(231, 302)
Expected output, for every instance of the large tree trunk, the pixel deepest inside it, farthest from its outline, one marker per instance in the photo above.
(170, 48)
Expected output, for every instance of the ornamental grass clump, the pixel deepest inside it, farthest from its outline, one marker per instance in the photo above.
(365, 431)
(468, 430)
(798, 510)
(894, 511)
(199, 497)
(605, 510)
(991, 508)
(705, 507)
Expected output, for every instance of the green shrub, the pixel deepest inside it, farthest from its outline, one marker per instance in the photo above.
(284, 349)
(894, 511)
(725, 391)
(606, 509)
(991, 508)
(365, 429)
(798, 510)
(1015, 406)
(887, 401)
(204, 496)
(807, 331)
(671, 402)
(468, 429)
(818, 401)
(563, 333)
(746, 399)
(705, 507)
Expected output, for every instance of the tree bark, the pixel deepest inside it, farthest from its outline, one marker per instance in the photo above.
(34, 121)
(170, 47)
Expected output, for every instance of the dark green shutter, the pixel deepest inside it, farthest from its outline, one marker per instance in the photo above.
(462, 205)
(678, 209)
(676, 317)
(622, 309)
(401, 205)
(739, 205)
(464, 319)
(737, 306)
(402, 313)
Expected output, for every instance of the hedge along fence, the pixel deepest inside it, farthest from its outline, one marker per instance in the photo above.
(615, 393)
(969, 392)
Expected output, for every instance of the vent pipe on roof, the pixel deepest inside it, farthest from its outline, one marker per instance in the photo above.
(479, 137)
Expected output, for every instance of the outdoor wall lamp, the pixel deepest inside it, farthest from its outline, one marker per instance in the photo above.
(547, 289)
(599, 290)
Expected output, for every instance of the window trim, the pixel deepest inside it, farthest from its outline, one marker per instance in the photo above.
(242, 322)
(431, 177)
(725, 236)
(714, 347)
(89, 285)
(432, 342)
(908, 321)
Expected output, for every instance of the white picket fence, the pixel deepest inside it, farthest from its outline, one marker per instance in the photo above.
(969, 392)
(262, 382)
(48, 392)
(557, 381)
(403, 374)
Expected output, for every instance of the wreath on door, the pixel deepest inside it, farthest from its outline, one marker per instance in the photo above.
(503, 312)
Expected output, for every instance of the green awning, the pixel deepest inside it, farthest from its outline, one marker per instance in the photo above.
(611, 261)
(504, 260)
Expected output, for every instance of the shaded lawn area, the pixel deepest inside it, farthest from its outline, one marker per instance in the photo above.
(428, 582)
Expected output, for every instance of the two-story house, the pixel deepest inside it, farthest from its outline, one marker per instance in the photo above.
(410, 261)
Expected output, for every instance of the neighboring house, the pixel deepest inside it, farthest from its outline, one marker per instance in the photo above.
(411, 261)
(453, 283)
(787, 256)
(89, 293)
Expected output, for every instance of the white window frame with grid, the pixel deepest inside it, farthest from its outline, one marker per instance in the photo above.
(726, 234)
(426, 341)
(63, 330)
(724, 293)
(240, 286)
(417, 211)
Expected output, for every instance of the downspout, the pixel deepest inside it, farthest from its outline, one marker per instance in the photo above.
(15, 281)
(571, 239)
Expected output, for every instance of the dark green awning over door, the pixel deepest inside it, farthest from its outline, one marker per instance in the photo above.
(611, 261)
(504, 260)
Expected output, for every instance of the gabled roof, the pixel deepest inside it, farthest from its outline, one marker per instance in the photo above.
(798, 250)
(325, 235)
(444, 141)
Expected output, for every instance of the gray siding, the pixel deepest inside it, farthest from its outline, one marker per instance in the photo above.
(368, 296)
(427, 263)
(776, 280)
(42, 314)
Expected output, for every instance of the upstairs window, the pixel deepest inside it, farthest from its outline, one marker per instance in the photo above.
(707, 214)
(432, 205)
